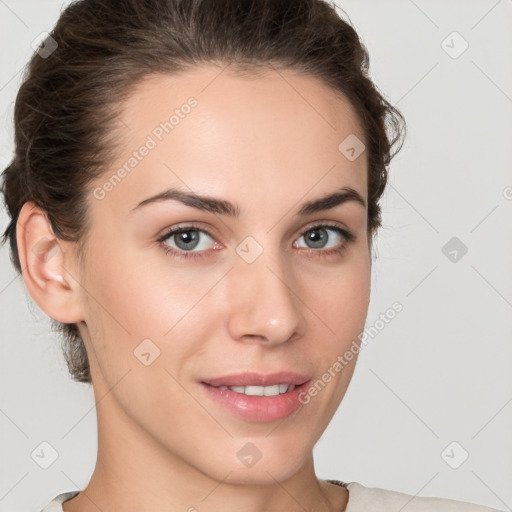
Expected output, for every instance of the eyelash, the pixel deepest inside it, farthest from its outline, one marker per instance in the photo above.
(190, 255)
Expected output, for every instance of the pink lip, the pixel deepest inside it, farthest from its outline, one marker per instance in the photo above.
(257, 408)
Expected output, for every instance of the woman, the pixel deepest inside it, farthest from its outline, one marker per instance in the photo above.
(194, 196)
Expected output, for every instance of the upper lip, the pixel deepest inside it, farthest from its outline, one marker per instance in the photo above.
(258, 379)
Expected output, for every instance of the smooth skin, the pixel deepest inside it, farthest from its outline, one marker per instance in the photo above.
(267, 143)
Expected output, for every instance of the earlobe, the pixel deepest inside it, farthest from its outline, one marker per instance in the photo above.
(46, 266)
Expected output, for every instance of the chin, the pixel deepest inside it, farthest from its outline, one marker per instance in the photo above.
(263, 461)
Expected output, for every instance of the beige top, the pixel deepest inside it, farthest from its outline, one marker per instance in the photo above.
(360, 499)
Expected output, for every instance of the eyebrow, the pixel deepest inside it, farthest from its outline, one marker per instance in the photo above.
(223, 207)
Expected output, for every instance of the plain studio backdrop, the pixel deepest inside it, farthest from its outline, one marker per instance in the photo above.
(429, 409)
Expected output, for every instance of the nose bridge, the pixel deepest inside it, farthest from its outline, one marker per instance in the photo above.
(263, 302)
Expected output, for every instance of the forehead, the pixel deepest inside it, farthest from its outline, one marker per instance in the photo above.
(275, 132)
(255, 95)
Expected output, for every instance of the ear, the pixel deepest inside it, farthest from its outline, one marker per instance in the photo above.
(48, 269)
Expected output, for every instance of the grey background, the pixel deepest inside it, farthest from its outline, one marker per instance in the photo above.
(439, 372)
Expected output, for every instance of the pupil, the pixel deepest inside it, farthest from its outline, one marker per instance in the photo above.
(187, 239)
(320, 238)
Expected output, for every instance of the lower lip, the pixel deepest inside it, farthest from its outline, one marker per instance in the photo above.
(257, 408)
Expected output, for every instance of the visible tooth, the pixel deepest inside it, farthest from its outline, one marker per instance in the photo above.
(254, 390)
(271, 390)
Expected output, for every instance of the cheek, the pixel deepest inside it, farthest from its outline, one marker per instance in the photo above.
(143, 296)
(341, 298)
(140, 306)
(342, 308)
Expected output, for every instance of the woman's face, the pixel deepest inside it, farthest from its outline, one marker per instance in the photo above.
(249, 287)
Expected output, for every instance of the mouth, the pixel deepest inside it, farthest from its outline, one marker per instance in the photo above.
(274, 390)
(258, 397)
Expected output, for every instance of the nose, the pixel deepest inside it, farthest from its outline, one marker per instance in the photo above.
(264, 306)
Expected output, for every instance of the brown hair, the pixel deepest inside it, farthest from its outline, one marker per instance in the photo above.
(99, 49)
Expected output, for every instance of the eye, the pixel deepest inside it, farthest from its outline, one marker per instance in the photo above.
(186, 240)
(191, 242)
(328, 237)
